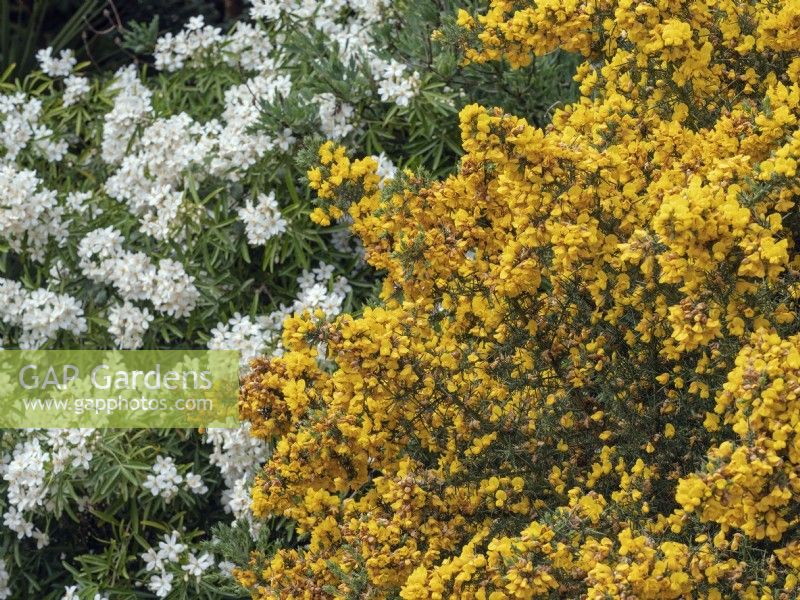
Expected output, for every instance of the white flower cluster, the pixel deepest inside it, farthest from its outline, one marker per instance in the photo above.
(165, 480)
(336, 117)
(56, 67)
(75, 88)
(26, 475)
(262, 220)
(132, 106)
(171, 551)
(238, 148)
(395, 82)
(172, 52)
(318, 289)
(239, 456)
(150, 174)
(248, 48)
(198, 44)
(30, 215)
(19, 126)
(128, 323)
(28, 471)
(70, 448)
(248, 336)
(40, 313)
(133, 274)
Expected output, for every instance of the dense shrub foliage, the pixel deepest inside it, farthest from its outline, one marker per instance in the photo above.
(582, 379)
(161, 207)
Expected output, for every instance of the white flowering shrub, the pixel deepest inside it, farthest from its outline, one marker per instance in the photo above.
(161, 206)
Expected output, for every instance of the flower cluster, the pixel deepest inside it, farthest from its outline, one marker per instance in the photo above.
(171, 551)
(29, 470)
(238, 456)
(22, 127)
(30, 216)
(160, 207)
(135, 277)
(40, 314)
(583, 377)
(165, 479)
(262, 220)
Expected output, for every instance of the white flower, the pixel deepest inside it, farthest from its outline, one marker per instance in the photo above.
(42, 539)
(285, 139)
(386, 169)
(81, 458)
(198, 565)
(226, 567)
(195, 23)
(195, 483)
(152, 560)
(170, 549)
(161, 585)
(70, 593)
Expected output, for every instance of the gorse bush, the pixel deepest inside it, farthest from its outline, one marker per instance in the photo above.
(161, 207)
(582, 379)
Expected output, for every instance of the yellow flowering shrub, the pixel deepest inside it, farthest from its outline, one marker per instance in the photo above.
(583, 377)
